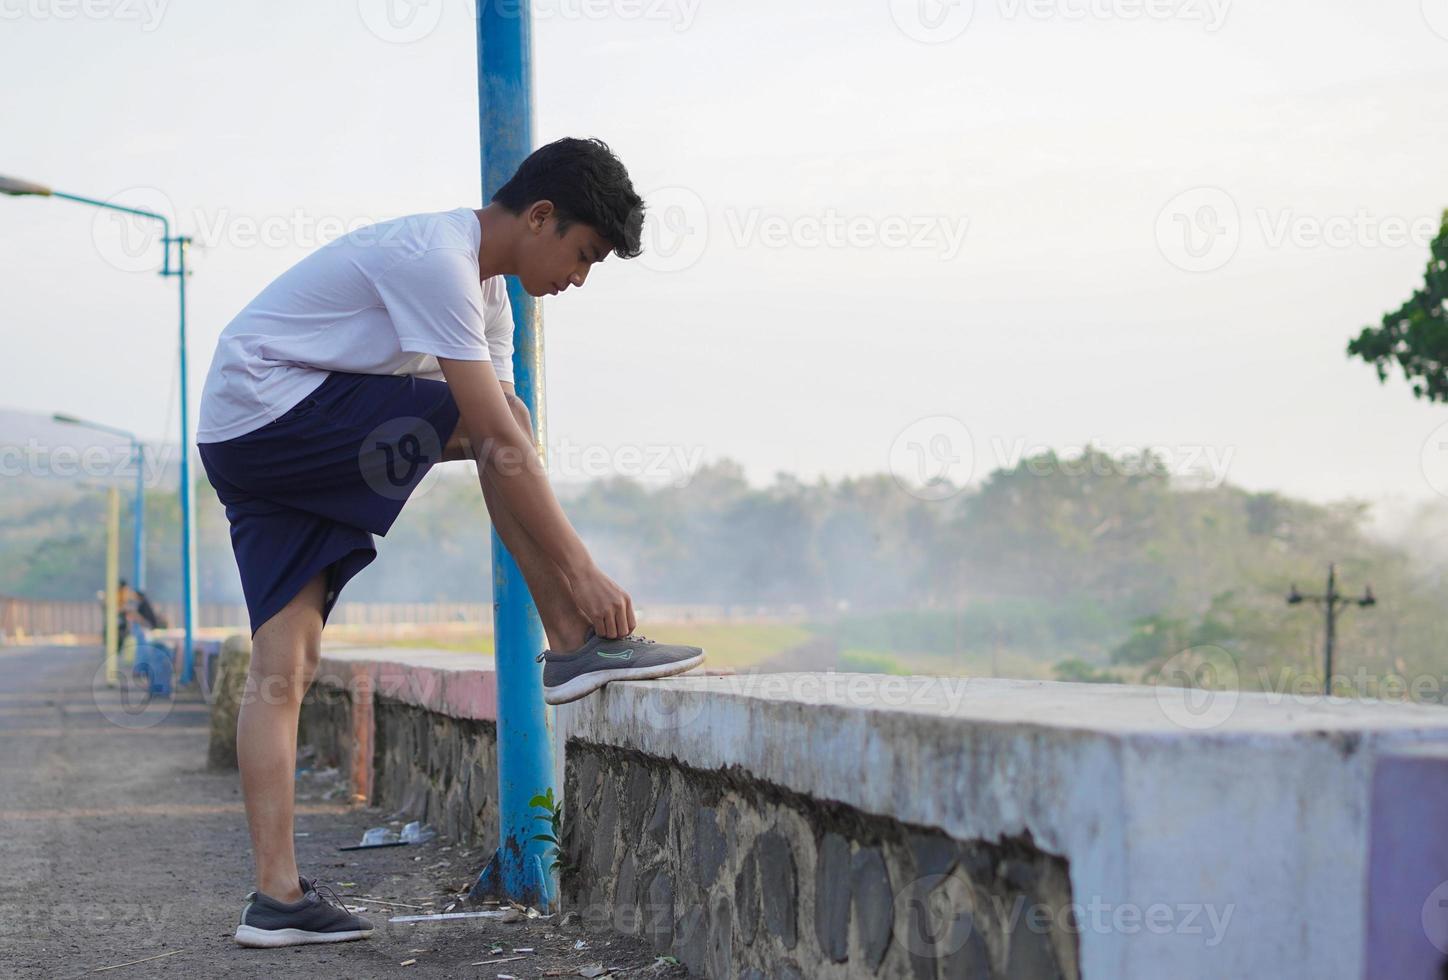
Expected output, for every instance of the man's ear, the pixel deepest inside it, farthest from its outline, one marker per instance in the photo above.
(539, 214)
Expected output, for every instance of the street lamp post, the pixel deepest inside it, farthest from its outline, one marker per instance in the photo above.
(24, 188)
(138, 459)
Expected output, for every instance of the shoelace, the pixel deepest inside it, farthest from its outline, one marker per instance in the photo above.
(325, 891)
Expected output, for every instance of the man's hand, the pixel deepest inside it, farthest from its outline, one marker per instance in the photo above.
(606, 605)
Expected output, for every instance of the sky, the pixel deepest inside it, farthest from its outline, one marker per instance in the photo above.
(903, 236)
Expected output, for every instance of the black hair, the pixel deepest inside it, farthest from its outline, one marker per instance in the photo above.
(587, 184)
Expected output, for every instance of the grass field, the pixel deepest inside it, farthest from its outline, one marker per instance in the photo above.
(743, 645)
(735, 645)
(1007, 664)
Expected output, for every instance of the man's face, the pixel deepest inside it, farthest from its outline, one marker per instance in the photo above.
(550, 263)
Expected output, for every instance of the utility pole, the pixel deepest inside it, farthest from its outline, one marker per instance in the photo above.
(1329, 601)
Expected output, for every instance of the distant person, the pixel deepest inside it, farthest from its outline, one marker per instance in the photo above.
(331, 395)
(124, 598)
(146, 612)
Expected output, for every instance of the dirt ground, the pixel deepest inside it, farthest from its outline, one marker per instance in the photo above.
(118, 847)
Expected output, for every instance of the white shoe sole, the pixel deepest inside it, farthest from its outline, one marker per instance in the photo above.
(585, 684)
(269, 938)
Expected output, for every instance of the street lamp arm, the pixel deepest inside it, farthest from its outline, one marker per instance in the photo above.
(100, 427)
(166, 223)
(15, 187)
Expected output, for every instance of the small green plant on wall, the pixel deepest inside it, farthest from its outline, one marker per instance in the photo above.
(553, 813)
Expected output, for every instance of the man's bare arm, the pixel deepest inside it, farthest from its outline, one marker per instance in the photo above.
(519, 407)
(500, 444)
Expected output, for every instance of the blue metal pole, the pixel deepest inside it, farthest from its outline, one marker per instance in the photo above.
(525, 743)
(188, 513)
(138, 454)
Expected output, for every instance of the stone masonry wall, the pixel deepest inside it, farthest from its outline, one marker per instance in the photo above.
(437, 769)
(326, 725)
(425, 766)
(742, 879)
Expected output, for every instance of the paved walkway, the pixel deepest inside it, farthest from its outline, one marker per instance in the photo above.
(116, 846)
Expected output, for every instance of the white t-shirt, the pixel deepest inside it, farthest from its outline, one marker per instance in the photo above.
(390, 298)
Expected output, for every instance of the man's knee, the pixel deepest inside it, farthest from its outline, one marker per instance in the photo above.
(293, 629)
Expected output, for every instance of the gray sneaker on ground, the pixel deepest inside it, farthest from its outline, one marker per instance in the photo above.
(570, 676)
(311, 919)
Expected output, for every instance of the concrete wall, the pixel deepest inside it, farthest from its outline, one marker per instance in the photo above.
(844, 825)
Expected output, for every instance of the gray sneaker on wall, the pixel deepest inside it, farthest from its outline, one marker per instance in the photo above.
(267, 922)
(570, 676)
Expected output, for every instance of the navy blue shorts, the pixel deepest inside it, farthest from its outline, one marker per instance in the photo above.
(306, 492)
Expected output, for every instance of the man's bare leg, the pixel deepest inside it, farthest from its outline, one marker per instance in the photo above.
(284, 657)
(563, 622)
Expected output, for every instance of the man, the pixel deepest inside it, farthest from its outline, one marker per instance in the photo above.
(331, 395)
